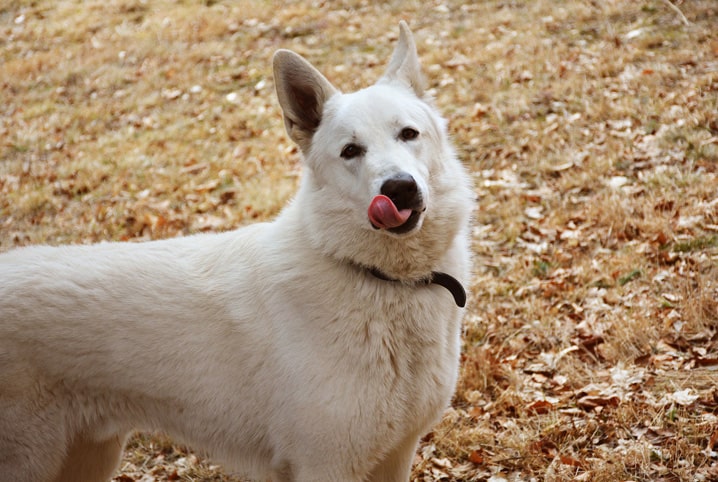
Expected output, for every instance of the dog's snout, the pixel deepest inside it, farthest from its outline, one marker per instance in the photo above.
(403, 191)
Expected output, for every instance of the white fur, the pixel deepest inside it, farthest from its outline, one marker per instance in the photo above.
(269, 347)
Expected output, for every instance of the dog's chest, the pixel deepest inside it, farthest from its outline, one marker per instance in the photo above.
(381, 353)
(405, 358)
(418, 351)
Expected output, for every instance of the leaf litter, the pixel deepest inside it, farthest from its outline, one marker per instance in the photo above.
(591, 130)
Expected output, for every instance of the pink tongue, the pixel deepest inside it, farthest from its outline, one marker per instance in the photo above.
(383, 213)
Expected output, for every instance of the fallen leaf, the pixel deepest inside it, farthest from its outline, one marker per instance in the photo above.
(476, 457)
(540, 407)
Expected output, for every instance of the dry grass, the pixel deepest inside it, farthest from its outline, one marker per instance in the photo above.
(591, 129)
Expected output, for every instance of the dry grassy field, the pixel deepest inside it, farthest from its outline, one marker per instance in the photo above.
(591, 131)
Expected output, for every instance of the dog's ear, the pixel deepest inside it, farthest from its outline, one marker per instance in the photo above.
(302, 92)
(404, 65)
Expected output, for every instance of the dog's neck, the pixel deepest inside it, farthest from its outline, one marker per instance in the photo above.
(437, 277)
(336, 248)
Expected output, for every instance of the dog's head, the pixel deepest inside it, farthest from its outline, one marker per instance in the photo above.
(382, 183)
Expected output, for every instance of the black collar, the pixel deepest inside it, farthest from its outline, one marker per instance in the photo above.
(437, 278)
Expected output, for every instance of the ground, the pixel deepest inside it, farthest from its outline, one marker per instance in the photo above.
(590, 128)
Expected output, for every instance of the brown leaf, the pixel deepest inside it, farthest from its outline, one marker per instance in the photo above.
(545, 447)
(476, 457)
(476, 412)
(706, 361)
(713, 440)
(540, 407)
(590, 402)
(568, 460)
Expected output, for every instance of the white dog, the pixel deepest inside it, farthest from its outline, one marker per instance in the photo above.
(317, 347)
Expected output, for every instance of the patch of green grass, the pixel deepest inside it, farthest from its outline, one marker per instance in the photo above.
(20, 148)
(541, 269)
(630, 276)
(696, 244)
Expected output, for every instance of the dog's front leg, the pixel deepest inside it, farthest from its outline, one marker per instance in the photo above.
(90, 461)
(396, 465)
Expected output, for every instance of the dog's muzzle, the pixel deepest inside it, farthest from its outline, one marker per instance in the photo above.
(399, 206)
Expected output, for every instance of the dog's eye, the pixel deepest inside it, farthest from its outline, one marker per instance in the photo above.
(351, 151)
(408, 134)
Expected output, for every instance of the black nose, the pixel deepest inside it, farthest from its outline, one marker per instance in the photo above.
(403, 191)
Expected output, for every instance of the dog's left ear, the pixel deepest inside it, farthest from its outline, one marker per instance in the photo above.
(302, 91)
(404, 65)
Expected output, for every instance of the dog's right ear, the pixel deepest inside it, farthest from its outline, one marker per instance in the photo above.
(302, 92)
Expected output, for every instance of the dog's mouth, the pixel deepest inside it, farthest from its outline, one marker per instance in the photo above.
(384, 214)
